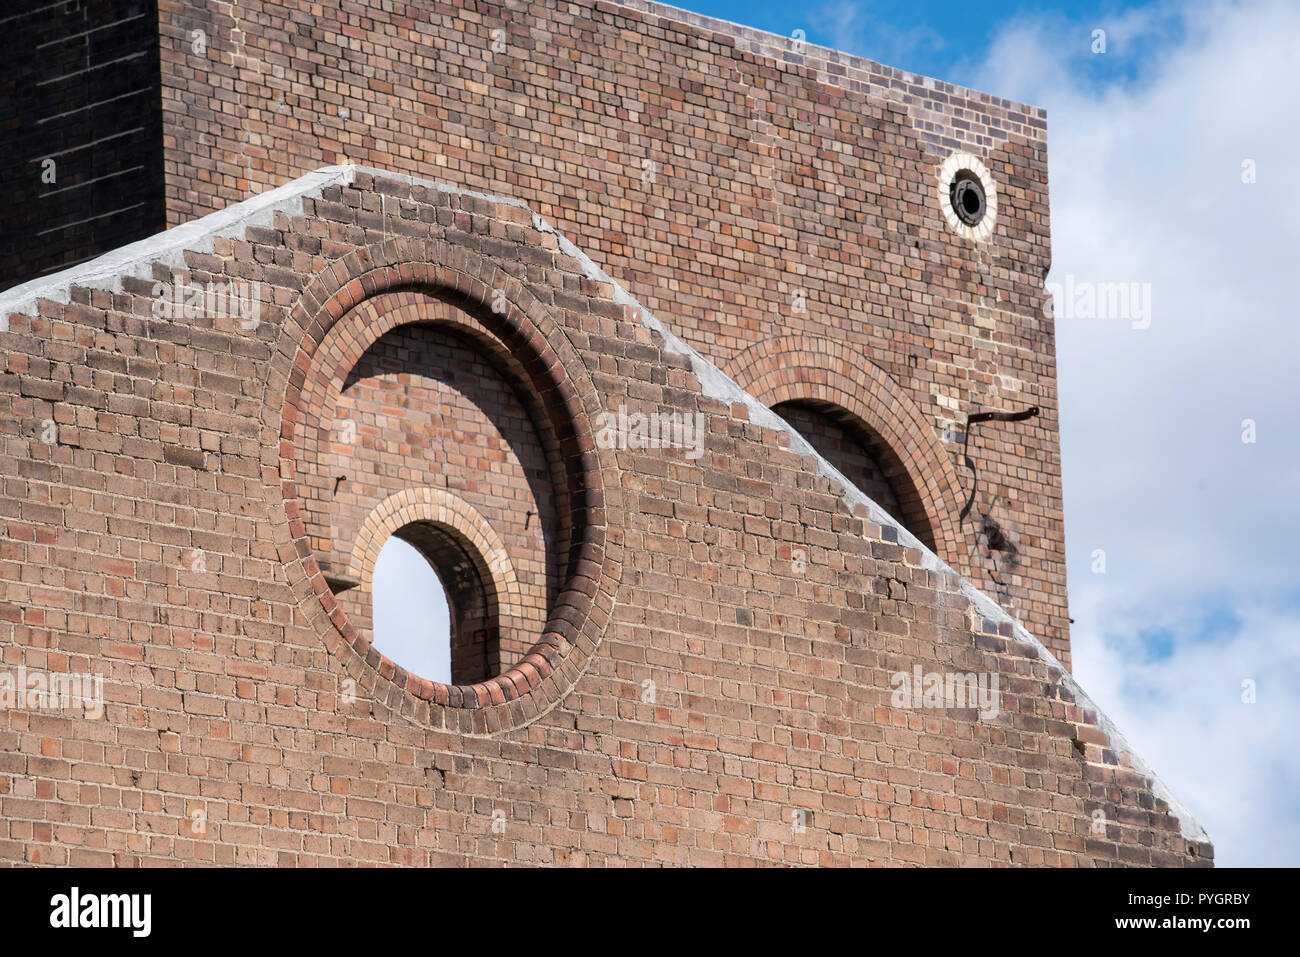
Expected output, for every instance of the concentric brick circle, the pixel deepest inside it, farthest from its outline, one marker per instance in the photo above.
(952, 170)
(553, 375)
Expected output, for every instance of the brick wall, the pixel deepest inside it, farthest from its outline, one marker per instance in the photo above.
(714, 681)
(756, 192)
(848, 450)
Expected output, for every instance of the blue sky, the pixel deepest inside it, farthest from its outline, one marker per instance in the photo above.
(412, 621)
(1148, 141)
(941, 38)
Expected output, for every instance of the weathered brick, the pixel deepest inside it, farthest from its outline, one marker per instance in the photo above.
(708, 650)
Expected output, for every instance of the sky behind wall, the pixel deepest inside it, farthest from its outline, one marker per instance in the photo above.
(1179, 439)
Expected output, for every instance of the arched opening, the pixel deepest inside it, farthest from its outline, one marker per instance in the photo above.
(863, 457)
(412, 614)
(447, 611)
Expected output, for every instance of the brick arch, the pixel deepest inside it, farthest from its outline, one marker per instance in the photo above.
(523, 324)
(826, 373)
(335, 362)
(510, 605)
(436, 505)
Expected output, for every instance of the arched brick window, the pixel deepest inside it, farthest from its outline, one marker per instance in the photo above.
(474, 636)
(872, 430)
(863, 457)
(493, 615)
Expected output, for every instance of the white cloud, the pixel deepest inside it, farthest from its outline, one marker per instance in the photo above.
(1198, 527)
(848, 25)
(1232, 763)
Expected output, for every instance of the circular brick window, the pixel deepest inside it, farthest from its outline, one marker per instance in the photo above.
(968, 196)
(424, 405)
(435, 441)
(429, 410)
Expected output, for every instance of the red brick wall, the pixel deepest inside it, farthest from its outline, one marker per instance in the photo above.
(845, 448)
(697, 695)
(719, 174)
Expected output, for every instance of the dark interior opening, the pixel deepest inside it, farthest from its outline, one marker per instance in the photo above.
(967, 194)
(864, 458)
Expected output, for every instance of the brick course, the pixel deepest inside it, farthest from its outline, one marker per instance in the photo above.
(696, 696)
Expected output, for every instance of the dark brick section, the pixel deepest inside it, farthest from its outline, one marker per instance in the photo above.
(81, 87)
(190, 458)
